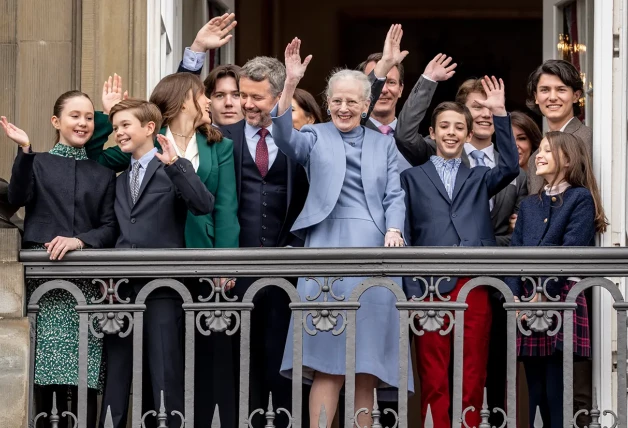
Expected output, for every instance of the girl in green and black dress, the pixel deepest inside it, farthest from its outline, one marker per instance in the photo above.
(69, 206)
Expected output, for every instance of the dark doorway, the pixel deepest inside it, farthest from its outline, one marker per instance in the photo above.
(505, 47)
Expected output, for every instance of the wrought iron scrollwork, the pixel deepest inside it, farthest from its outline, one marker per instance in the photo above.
(325, 319)
(376, 414)
(485, 413)
(431, 320)
(595, 414)
(217, 320)
(270, 414)
(539, 320)
(110, 323)
(162, 416)
(54, 415)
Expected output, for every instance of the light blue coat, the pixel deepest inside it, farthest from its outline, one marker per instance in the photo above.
(320, 149)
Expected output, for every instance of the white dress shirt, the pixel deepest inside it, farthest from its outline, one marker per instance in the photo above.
(565, 125)
(252, 137)
(144, 161)
(191, 151)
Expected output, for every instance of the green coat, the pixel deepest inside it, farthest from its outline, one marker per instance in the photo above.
(219, 229)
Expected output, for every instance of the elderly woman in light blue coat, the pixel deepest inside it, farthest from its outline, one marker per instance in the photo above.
(355, 200)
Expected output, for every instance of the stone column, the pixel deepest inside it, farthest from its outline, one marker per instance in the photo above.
(14, 334)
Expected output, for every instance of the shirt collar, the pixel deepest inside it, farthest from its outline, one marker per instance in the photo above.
(438, 161)
(251, 131)
(392, 124)
(565, 125)
(145, 160)
(557, 189)
(488, 151)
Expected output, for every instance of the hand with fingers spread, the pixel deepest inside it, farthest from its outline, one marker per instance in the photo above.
(295, 69)
(392, 54)
(169, 154)
(495, 96)
(440, 68)
(58, 247)
(112, 93)
(16, 134)
(215, 33)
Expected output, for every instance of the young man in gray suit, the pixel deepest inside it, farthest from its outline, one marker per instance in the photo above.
(383, 113)
(554, 90)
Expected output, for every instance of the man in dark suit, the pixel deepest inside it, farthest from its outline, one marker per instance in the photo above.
(383, 115)
(447, 204)
(152, 201)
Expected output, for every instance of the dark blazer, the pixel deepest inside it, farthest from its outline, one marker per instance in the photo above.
(297, 184)
(64, 197)
(418, 149)
(220, 228)
(576, 128)
(433, 219)
(157, 219)
(554, 221)
(507, 203)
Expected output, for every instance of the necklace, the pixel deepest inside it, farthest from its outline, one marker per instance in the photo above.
(181, 135)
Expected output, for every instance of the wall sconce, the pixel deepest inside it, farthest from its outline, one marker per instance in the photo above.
(565, 47)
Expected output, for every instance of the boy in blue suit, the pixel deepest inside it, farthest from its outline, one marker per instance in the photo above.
(447, 204)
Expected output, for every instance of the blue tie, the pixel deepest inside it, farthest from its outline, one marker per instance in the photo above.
(478, 155)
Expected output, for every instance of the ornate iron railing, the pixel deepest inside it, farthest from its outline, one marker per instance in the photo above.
(220, 314)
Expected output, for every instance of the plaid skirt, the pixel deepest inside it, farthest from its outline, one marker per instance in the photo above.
(541, 345)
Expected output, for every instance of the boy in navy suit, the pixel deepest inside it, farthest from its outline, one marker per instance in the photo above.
(447, 204)
(152, 200)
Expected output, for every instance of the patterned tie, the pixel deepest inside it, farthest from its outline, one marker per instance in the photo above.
(135, 181)
(261, 152)
(385, 129)
(478, 155)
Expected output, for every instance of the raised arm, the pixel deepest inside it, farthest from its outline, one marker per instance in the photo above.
(212, 35)
(22, 180)
(113, 158)
(294, 144)
(507, 168)
(409, 141)
(391, 56)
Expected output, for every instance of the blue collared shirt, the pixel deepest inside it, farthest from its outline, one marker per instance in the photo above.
(447, 171)
(144, 161)
(193, 61)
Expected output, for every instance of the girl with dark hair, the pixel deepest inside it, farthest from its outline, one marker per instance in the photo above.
(566, 213)
(69, 202)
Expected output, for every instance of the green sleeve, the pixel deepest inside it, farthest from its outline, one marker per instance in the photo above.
(112, 157)
(226, 225)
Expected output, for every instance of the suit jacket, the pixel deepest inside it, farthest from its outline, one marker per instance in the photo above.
(64, 197)
(157, 219)
(218, 229)
(296, 181)
(554, 221)
(506, 203)
(433, 219)
(321, 150)
(575, 127)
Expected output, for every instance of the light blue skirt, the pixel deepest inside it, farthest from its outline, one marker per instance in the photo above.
(377, 330)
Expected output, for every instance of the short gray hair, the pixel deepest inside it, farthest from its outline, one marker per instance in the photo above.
(346, 74)
(261, 68)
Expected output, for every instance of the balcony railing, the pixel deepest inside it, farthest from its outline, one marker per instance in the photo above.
(214, 313)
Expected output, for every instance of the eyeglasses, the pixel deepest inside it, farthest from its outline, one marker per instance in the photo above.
(338, 102)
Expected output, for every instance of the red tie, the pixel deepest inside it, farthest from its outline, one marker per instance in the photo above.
(261, 152)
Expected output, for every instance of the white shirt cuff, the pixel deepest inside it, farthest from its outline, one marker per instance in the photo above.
(193, 61)
(427, 78)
